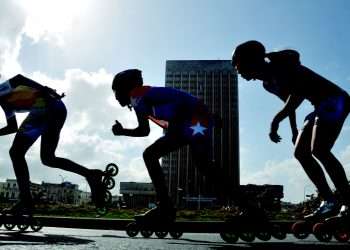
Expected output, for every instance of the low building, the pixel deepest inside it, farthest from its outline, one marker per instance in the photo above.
(138, 194)
(64, 192)
(9, 190)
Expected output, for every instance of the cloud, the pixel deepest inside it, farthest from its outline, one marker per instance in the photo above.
(39, 20)
(287, 173)
(290, 174)
(12, 20)
(52, 20)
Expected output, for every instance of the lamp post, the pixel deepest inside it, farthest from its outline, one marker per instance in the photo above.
(62, 178)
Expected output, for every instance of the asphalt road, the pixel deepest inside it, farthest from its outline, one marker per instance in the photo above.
(63, 238)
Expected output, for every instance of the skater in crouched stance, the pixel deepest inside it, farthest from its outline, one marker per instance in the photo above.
(283, 75)
(47, 114)
(187, 122)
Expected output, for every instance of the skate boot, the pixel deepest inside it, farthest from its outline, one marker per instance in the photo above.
(158, 214)
(326, 209)
(20, 215)
(20, 208)
(339, 225)
(99, 193)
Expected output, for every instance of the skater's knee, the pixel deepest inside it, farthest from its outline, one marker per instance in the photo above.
(301, 154)
(48, 160)
(149, 154)
(320, 153)
(16, 153)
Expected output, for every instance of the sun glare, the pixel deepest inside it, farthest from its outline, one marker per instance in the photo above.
(51, 19)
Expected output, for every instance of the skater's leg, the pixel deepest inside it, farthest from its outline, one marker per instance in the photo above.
(323, 138)
(303, 154)
(151, 156)
(19, 148)
(49, 142)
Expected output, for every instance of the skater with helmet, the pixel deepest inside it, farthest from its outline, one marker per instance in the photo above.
(283, 75)
(186, 121)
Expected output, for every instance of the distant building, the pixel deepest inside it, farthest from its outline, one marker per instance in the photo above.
(138, 194)
(65, 192)
(9, 190)
(214, 82)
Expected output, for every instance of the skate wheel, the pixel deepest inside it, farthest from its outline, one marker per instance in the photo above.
(161, 235)
(278, 233)
(112, 169)
(9, 226)
(264, 236)
(108, 182)
(22, 227)
(247, 236)
(108, 197)
(342, 235)
(146, 233)
(229, 237)
(300, 230)
(175, 235)
(131, 229)
(320, 232)
(36, 226)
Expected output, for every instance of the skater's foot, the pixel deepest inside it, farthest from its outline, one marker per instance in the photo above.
(98, 192)
(327, 208)
(20, 208)
(158, 214)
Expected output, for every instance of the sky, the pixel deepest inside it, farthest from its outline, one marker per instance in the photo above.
(78, 46)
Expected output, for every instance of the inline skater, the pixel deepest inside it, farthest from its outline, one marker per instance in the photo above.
(186, 120)
(283, 75)
(47, 114)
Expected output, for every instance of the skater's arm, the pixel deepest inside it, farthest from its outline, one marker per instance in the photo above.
(141, 131)
(293, 126)
(292, 120)
(11, 126)
(22, 80)
(289, 108)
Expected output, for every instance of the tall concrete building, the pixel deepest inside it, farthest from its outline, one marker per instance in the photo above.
(215, 82)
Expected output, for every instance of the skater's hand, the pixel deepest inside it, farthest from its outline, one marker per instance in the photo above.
(273, 132)
(275, 137)
(117, 128)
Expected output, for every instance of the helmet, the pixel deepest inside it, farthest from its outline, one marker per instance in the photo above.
(124, 82)
(250, 51)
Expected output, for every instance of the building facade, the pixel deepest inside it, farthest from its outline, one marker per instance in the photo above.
(215, 83)
(9, 190)
(64, 192)
(138, 194)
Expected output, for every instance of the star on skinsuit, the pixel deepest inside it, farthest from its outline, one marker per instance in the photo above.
(198, 129)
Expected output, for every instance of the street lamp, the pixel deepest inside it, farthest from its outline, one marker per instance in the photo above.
(62, 178)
